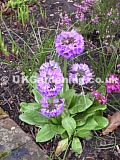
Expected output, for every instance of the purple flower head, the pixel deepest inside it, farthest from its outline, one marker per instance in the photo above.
(50, 79)
(53, 108)
(80, 74)
(112, 84)
(100, 97)
(69, 44)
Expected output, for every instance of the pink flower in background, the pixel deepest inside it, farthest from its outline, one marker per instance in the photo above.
(112, 84)
(118, 66)
(100, 97)
(83, 8)
(110, 12)
(82, 17)
(95, 19)
(65, 20)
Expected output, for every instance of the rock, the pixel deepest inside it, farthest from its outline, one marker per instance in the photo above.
(15, 144)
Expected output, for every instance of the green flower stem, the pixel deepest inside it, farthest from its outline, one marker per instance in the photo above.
(65, 68)
(67, 149)
(65, 73)
(83, 94)
(73, 85)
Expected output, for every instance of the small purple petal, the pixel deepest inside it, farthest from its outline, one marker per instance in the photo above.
(80, 74)
(53, 109)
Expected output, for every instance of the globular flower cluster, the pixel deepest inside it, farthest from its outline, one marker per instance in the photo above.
(50, 80)
(100, 97)
(112, 84)
(50, 83)
(53, 108)
(80, 74)
(69, 44)
(82, 9)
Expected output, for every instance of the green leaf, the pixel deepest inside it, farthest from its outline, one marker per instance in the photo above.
(65, 113)
(33, 78)
(83, 133)
(96, 107)
(37, 95)
(101, 121)
(25, 107)
(64, 135)
(90, 124)
(102, 89)
(56, 120)
(62, 91)
(45, 134)
(58, 129)
(68, 95)
(69, 124)
(81, 119)
(90, 96)
(62, 146)
(34, 118)
(80, 104)
(76, 145)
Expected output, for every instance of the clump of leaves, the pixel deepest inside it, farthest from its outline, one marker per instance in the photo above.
(81, 115)
(18, 3)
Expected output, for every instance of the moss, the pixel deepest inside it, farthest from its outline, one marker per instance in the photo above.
(4, 154)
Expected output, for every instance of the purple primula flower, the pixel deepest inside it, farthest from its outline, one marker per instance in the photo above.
(44, 102)
(100, 97)
(69, 44)
(80, 74)
(50, 80)
(112, 84)
(52, 109)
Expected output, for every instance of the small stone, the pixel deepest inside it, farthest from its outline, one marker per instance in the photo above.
(51, 15)
(12, 128)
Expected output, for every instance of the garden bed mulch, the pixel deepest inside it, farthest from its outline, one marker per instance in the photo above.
(11, 94)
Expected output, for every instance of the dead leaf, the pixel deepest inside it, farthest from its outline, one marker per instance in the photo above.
(114, 122)
(62, 146)
(2, 114)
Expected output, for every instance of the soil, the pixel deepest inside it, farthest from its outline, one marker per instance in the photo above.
(11, 94)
